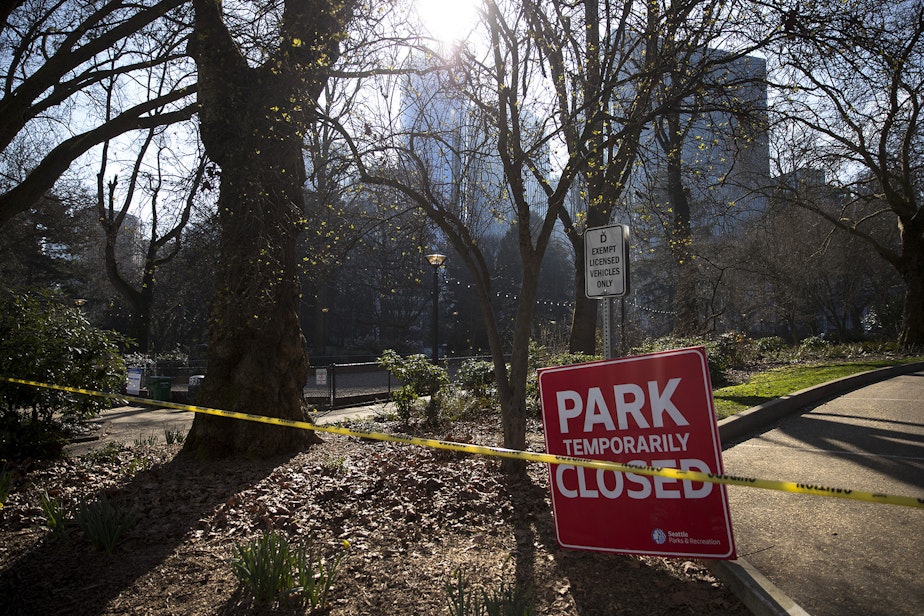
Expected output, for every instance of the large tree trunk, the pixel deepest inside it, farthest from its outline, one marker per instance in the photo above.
(251, 123)
(912, 270)
(257, 357)
(680, 235)
(583, 337)
(584, 323)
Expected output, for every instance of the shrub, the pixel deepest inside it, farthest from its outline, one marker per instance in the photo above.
(103, 523)
(21, 437)
(727, 352)
(813, 345)
(769, 346)
(542, 357)
(47, 340)
(272, 569)
(419, 378)
(731, 350)
(458, 402)
(477, 376)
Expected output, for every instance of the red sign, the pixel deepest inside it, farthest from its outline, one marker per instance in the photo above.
(649, 410)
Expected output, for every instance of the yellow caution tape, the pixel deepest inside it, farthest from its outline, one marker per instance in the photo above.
(502, 452)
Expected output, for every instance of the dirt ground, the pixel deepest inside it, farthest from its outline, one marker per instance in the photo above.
(414, 519)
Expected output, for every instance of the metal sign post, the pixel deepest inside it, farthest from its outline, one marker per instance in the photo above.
(606, 272)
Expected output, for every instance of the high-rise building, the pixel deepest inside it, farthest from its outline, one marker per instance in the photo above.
(452, 151)
(722, 137)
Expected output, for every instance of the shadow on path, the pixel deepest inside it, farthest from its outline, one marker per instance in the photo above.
(890, 452)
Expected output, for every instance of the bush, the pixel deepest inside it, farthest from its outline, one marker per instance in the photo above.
(457, 402)
(542, 357)
(731, 350)
(818, 348)
(477, 376)
(21, 437)
(813, 345)
(419, 378)
(47, 340)
(727, 352)
(272, 569)
(769, 346)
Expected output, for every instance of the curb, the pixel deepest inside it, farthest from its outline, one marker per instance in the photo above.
(760, 595)
(756, 592)
(746, 423)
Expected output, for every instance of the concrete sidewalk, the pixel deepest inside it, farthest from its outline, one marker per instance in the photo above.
(127, 424)
(834, 557)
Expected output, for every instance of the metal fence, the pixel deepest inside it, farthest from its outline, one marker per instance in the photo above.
(341, 385)
(336, 385)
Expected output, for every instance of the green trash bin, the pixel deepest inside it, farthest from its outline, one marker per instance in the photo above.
(159, 387)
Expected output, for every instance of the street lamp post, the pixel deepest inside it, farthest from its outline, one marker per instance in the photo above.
(324, 312)
(436, 260)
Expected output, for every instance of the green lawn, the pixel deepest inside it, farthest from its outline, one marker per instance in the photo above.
(766, 386)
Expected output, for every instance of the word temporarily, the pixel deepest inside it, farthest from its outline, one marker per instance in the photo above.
(653, 443)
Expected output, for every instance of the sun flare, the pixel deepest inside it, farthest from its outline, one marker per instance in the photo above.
(448, 21)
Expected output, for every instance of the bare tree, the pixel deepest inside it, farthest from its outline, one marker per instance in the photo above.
(489, 93)
(493, 115)
(167, 222)
(849, 84)
(56, 56)
(620, 68)
(795, 275)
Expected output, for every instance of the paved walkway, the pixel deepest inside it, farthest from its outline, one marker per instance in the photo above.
(836, 557)
(127, 424)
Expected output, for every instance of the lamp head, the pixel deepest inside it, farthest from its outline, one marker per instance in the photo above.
(435, 259)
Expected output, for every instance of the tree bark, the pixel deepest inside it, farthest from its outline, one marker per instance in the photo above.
(912, 271)
(681, 245)
(252, 123)
(583, 338)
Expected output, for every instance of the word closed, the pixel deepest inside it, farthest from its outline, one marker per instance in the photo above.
(651, 411)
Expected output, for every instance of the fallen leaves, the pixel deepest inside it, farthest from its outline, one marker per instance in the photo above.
(412, 516)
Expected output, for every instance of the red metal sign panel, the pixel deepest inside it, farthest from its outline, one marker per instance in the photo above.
(649, 410)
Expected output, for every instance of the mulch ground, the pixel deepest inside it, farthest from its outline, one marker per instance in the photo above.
(414, 518)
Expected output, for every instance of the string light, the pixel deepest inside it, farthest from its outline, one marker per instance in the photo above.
(543, 302)
(563, 304)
